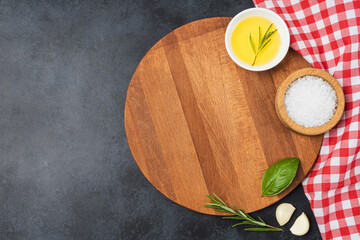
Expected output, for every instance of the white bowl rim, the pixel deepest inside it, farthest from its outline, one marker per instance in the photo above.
(280, 25)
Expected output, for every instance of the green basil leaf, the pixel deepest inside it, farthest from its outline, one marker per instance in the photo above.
(279, 176)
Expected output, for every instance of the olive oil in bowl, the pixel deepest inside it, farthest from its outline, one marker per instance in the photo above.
(241, 43)
(242, 39)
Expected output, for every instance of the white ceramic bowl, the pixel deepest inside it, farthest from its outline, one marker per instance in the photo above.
(279, 24)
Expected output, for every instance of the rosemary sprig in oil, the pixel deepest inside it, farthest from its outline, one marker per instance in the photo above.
(263, 41)
(219, 205)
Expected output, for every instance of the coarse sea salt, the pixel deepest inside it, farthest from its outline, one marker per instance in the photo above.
(310, 101)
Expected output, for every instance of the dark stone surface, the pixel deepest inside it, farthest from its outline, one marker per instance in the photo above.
(66, 171)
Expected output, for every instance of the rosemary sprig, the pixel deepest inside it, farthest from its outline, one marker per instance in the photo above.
(219, 205)
(263, 41)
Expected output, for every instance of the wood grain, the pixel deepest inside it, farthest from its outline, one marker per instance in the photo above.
(197, 123)
(280, 106)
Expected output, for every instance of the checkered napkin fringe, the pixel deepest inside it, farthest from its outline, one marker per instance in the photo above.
(327, 35)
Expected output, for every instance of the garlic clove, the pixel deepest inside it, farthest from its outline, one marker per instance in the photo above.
(284, 212)
(301, 225)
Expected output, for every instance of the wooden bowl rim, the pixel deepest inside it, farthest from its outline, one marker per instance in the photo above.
(287, 121)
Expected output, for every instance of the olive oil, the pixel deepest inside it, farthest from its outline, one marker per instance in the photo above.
(240, 41)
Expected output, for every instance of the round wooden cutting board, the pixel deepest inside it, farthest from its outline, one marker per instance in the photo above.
(197, 123)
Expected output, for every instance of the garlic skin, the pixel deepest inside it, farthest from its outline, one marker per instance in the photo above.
(301, 225)
(284, 212)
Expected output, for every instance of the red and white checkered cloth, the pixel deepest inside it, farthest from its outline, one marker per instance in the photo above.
(327, 34)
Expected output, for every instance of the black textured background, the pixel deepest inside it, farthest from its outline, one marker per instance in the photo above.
(66, 171)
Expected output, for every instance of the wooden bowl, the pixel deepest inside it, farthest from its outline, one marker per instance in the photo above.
(287, 121)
